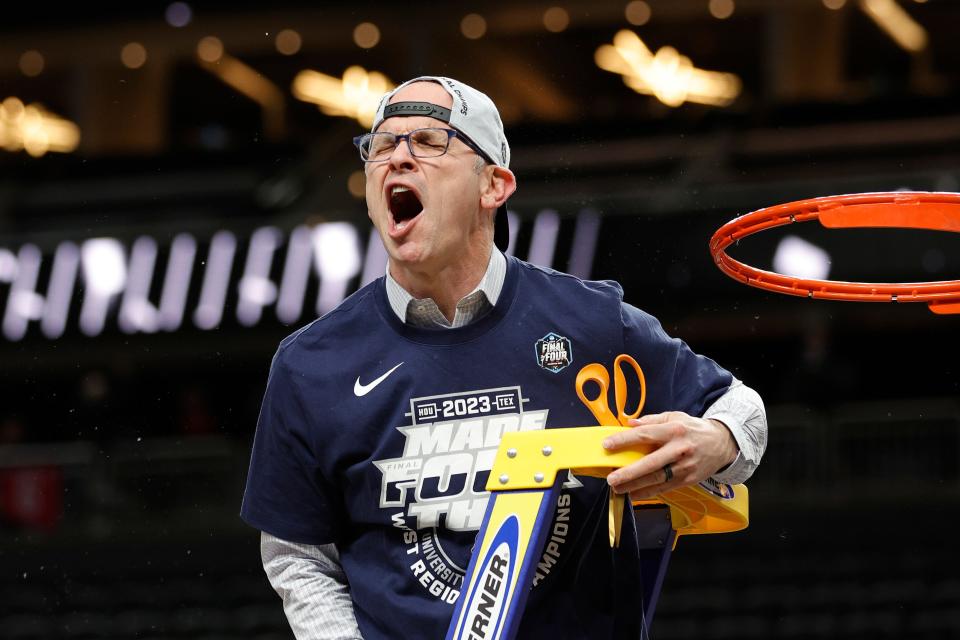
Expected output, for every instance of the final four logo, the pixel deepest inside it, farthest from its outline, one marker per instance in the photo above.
(554, 352)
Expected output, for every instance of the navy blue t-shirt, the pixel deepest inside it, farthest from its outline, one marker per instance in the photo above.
(379, 437)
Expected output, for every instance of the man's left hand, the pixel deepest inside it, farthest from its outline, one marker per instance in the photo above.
(694, 449)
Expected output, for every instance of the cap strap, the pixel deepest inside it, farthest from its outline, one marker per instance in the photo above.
(426, 109)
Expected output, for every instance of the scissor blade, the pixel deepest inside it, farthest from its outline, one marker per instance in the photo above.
(615, 517)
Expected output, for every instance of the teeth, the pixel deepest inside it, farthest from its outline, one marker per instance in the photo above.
(401, 225)
(398, 189)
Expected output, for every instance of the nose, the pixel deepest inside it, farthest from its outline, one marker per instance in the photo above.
(401, 157)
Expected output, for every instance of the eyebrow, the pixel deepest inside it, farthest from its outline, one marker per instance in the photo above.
(440, 125)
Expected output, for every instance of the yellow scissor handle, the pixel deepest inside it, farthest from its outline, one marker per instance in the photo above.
(599, 406)
(620, 388)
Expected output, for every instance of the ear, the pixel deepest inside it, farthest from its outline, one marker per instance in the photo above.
(498, 184)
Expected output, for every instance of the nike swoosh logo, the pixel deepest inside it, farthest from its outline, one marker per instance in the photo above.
(361, 390)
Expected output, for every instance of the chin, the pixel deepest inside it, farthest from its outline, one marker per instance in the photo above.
(406, 253)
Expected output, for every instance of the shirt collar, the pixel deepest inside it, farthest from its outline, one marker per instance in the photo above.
(490, 285)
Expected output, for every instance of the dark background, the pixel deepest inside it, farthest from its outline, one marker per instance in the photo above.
(123, 456)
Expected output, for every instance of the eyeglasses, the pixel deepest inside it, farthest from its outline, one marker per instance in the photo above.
(431, 142)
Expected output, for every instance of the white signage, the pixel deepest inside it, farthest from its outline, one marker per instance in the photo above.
(102, 283)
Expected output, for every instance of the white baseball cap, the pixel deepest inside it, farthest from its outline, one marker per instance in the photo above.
(474, 115)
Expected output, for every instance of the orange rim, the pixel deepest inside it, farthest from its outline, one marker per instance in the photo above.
(936, 211)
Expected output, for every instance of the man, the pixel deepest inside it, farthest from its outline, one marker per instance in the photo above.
(380, 419)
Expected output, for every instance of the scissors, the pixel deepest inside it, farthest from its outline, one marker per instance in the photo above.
(600, 408)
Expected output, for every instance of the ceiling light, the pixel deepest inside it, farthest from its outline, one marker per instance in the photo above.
(366, 35)
(357, 184)
(556, 19)
(210, 49)
(473, 26)
(178, 14)
(897, 23)
(721, 9)
(31, 63)
(133, 55)
(356, 95)
(638, 13)
(667, 75)
(34, 129)
(288, 42)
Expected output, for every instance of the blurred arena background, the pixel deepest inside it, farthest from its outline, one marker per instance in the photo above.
(178, 192)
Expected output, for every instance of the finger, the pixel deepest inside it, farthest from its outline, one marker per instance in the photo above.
(651, 418)
(648, 469)
(651, 491)
(639, 436)
(651, 483)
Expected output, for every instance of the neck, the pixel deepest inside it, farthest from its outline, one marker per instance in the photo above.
(445, 285)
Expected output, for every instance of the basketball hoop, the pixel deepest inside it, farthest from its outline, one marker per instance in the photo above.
(898, 209)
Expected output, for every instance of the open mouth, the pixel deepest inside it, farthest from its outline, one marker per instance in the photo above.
(404, 205)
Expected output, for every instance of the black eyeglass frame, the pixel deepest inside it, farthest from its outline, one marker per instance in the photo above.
(451, 133)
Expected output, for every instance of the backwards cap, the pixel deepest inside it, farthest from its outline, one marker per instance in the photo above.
(472, 114)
